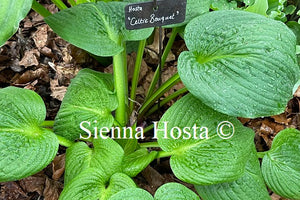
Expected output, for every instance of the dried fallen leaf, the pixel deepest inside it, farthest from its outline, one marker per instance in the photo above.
(11, 190)
(40, 37)
(52, 189)
(30, 58)
(58, 166)
(34, 183)
(57, 92)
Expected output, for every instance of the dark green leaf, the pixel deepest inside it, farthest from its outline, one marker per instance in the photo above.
(25, 148)
(239, 63)
(11, 13)
(89, 101)
(208, 158)
(281, 165)
(96, 27)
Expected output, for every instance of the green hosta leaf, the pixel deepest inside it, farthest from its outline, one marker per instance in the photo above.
(239, 63)
(223, 5)
(135, 162)
(295, 27)
(96, 27)
(194, 8)
(207, 159)
(167, 191)
(90, 98)
(106, 156)
(259, 7)
(281, 165)
(11, 13)
(91, 185)
(171, 191)
(25, 148)
(132, 194)
(250, 186)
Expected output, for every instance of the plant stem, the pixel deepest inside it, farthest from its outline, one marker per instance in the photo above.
(59, 4)
(149, 144)
(63, 141)
(37, 7)
(72, 2)
(163, 60)
(166, 100)
(120, 82)
(136, 73)
(261, 154)
(48, 123)
(148, 128)
(162, 154)
(158, 93)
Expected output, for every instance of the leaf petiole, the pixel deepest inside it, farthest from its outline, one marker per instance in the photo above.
(63, 141)
(48, 123)
(149, 144)
(163, 60)
(37, 7)
(158, 93)
(59, 4)
(136, 73)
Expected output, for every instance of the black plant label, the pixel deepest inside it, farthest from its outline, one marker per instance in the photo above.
(151, 14)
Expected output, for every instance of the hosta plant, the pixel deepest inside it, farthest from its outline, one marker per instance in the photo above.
(240, 63)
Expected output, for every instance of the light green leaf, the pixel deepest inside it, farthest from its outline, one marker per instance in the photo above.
(250, 186)
(171, 191)
(91, 185)
(135, 162)
(89, 101)
(239, 63)
(259, 7)
(25, 148)
(132, 194)
(98, 28)
(281, 165)
(106, 156)
(208, 158)
(11, 13)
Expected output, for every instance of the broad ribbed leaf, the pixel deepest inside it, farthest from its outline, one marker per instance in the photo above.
(25, 148)
(250, 186)
(95, 27)
(132, 194)
(90, 99)
(172, 191)
(135, 162)
(11, 13)
(91, 185)
(208, 158)
(106, 156)
(239, 63)
(281, 165)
